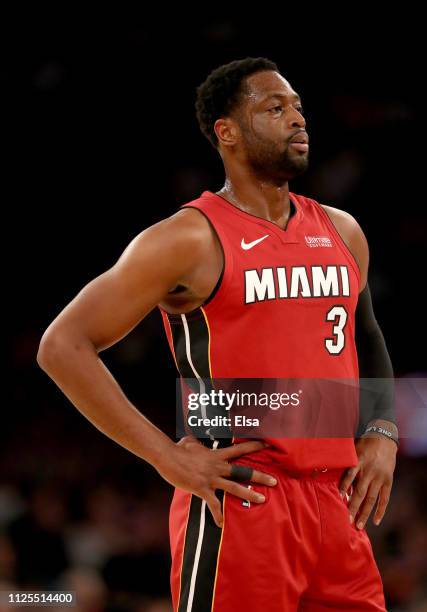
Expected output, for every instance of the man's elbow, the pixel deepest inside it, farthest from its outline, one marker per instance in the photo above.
(55, 342)
(58, 344)
(48, 349)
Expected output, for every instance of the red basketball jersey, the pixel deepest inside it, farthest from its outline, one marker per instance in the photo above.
(283, 308)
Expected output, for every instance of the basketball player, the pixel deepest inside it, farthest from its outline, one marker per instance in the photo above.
(252, 281)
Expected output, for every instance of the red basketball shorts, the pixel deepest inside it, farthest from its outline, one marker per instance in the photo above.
(297, 551)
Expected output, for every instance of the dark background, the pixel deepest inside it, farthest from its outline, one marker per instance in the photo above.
(100, 140)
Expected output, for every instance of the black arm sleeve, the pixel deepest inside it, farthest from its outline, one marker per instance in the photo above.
(375, 368)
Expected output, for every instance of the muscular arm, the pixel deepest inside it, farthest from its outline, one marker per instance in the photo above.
(371, 480)
(376, 405)
(170, 253)
(105, 311)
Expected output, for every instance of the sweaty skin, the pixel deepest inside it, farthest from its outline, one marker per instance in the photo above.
(181, 254)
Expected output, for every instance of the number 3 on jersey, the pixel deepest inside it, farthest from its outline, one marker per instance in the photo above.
(338, 315)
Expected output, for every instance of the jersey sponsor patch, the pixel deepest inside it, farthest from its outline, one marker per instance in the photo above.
(318, 241)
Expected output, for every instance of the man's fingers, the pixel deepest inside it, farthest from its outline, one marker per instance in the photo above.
(257, 476)
(236, 450)
(382, 503)
(263, 478)
(240, 491)
(359, 494)
(348, 479)
(368, 503)
(214, 506)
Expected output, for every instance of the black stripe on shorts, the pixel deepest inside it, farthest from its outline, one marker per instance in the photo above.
(204, 568)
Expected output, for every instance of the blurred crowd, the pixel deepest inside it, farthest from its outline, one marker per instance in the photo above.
(104, 535)
(77, 514)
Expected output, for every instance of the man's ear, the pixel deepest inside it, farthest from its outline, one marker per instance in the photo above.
(227, 131)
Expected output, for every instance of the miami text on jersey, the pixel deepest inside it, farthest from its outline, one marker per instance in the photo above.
(298, 281)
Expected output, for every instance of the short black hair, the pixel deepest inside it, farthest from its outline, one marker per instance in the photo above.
(221, 92)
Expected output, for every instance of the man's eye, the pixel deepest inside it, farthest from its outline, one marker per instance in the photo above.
(300, 109)
(275, 108)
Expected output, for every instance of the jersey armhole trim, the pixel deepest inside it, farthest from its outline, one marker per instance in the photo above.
(221, 282)
(352, 258)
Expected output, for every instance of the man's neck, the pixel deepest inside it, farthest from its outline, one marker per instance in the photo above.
(260, 199)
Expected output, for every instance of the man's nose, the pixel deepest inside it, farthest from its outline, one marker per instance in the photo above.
(296, 119)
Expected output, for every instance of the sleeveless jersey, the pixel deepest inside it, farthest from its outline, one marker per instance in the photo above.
(283, 308)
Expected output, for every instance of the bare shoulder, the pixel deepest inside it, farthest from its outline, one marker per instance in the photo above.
(187, 228)
(160, 257)
(178, 240)
(342, 218)
(185, 250)
(353, 236)
(190, 218)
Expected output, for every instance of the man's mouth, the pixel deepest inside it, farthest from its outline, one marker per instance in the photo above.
(300, 141)
(299, 146)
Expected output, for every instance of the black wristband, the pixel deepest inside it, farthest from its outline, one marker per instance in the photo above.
(382, 431)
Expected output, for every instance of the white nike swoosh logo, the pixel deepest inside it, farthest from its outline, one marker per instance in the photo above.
(248, 245)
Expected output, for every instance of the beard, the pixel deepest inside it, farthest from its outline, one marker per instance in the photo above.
(272, 165)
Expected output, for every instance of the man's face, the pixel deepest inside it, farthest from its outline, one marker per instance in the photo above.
(270, 116)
